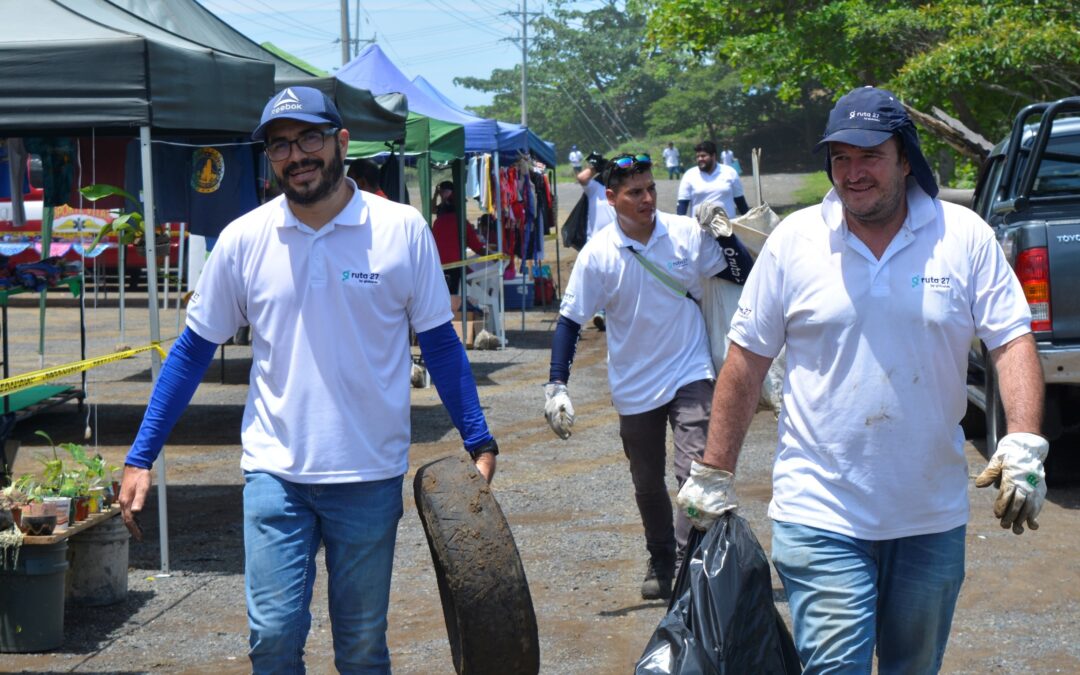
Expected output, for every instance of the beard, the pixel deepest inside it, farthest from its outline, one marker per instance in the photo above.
(330, 176)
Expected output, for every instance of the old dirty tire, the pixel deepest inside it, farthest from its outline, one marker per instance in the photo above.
(485, 597)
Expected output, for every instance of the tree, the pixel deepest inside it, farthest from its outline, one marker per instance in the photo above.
(586, 84)
(977, 60)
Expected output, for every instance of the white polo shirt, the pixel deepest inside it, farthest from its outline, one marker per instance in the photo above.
(721, 185)
(330, 312)
(656, 339)
(870, 443)
(601, 213)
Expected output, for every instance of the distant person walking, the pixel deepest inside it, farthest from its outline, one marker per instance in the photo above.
(727, 158)
(710, 181)
(575, 157)
(671, 161)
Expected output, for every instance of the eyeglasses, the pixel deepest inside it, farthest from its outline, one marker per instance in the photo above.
(311, 140)
(626, 162)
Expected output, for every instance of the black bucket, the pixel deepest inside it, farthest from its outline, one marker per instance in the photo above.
(32, 599)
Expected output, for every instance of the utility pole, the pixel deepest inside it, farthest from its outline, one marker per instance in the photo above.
(356, 29)
(524, 62)
(344, 32)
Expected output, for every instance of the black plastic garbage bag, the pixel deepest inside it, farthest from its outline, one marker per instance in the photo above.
(722, 620)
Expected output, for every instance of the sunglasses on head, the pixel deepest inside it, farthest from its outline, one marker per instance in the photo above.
(626, 162)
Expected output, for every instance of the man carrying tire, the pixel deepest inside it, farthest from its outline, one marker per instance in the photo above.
(645, 269)
(877, 294)
(331, 280)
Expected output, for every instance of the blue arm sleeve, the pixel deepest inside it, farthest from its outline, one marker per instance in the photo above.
(445, 358)
(683, 207)
(179, 377)
(741, 206)
(563, 346)
(739, 260)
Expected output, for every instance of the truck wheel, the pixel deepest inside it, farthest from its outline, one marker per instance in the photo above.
(485, 597)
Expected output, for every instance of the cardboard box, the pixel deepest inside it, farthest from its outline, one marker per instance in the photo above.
(455, 307)
(474, 328)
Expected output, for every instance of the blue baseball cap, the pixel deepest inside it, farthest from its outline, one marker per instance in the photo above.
(305, 104)
(869, 116)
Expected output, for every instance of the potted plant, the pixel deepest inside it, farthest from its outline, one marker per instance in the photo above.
(129, 227)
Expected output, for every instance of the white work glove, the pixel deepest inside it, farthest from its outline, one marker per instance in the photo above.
(707, 494)
(1016, 469)
(712, 218)
(558, 410)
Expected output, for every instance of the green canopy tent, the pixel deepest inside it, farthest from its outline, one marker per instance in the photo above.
(427, 139)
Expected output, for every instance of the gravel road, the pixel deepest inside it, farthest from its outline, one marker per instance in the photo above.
(569, 503)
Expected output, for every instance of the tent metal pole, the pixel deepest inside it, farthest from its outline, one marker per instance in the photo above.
(155, 327)
(499, 244)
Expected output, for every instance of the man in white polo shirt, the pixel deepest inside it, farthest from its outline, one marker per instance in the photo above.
(710, 181)
(331, 279)
(877, 294)
(646, 269)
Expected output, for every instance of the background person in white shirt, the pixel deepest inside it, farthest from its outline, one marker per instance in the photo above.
(671, 161)
(727, 158)
(659, 364)
(710, 181)
(601, 214)
(575, 158)
(331, 279)
(877, 294)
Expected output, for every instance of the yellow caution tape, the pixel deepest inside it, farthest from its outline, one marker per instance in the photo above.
(473, 261)
(20, 382)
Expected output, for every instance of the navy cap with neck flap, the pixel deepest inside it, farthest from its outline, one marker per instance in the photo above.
(868, 116)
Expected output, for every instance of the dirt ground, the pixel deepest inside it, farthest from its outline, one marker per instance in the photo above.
(569, 504)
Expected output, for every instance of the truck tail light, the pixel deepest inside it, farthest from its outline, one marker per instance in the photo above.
(1033, 270)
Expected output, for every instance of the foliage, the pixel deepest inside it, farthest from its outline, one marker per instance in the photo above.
(587, 84)
(593, 81)
(74, 479)
(128, 227)
(813, 189)
(977, 60)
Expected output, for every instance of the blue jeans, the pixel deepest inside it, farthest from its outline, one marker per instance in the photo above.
(284, 524)
(847, 594)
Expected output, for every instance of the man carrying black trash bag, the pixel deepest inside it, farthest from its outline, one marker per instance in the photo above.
(877, 294)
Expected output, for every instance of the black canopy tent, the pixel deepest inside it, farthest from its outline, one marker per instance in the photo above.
(74, 68)
(367, 117)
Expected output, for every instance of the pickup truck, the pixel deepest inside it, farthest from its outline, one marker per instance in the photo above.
(1028, 190)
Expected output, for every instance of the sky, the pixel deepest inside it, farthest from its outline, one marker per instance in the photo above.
(438, 39)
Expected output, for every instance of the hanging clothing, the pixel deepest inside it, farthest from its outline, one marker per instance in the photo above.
(57, 167)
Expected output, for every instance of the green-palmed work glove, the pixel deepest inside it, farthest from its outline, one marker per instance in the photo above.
(1016, 470)
(558, 410)
(707, 494)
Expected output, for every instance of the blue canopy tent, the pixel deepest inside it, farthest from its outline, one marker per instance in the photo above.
(515, 141)
(374, 71)
(512, 139)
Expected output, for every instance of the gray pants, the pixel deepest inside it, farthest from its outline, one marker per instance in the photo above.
(644, 442)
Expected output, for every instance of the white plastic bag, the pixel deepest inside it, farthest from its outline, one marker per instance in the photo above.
(720, 300)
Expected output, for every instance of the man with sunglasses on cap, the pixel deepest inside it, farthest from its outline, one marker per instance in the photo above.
(646, 269)
(710, 181)
(331, 280)
(877, 294)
